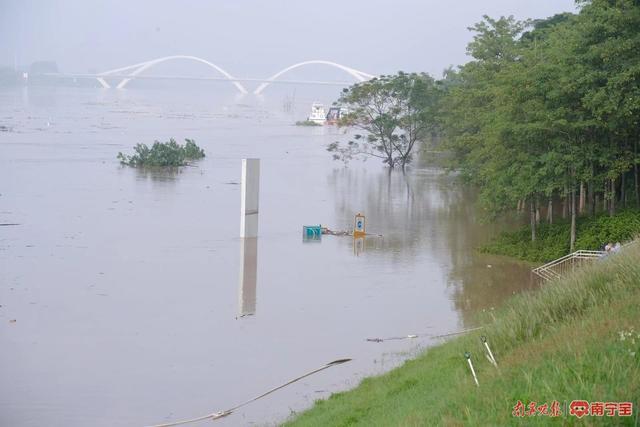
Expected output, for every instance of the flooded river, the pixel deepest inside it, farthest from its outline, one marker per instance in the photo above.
(122, 299)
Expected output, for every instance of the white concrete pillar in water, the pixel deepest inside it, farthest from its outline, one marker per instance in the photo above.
(249, 194)
(248, 276)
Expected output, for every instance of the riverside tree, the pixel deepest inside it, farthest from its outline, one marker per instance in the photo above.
(548, 110)
(393, 113)
(546, 113)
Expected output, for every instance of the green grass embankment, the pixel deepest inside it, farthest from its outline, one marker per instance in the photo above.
(552, 240)
(561, 342)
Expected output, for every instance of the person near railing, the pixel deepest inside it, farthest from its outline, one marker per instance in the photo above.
(607, 250)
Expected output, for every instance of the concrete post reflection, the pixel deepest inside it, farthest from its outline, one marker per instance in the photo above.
(248, 276)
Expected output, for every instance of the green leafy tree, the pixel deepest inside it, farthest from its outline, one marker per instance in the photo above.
(549, 109)
(393, 113)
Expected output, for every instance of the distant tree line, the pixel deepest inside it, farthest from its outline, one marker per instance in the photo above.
(547, 110)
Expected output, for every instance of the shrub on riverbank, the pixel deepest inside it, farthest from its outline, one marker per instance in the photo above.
(552, 240)
(574, 339)
(163, 154)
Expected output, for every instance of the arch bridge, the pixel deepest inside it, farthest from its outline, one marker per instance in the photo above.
(130, 72)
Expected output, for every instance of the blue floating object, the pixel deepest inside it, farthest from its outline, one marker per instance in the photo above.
(312, 231)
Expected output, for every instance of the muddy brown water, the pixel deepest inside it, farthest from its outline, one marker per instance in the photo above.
(122, 301)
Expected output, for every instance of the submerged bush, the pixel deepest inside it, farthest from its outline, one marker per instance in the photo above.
(163, 154)
(307, 123)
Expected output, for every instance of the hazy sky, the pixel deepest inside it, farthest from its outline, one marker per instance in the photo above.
(252, 38)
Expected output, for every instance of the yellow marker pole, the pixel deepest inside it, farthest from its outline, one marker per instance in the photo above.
(359, 226)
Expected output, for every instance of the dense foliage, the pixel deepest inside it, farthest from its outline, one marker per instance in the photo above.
(545, 114)
(548, 110)
(553, 239)
(393, 112)
(163, 154)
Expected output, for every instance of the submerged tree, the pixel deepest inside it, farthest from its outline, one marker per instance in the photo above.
(163, 154)
(394, 113)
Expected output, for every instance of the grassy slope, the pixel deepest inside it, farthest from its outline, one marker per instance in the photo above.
(561, 342)
(553, 239)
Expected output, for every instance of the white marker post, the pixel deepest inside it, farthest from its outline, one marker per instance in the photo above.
(490, 356)
(249, 194)
(467, 356)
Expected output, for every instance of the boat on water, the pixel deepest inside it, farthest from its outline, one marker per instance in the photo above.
(335, 114)
(318, 114)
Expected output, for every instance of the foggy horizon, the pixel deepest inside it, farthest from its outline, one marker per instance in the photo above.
(251, 39)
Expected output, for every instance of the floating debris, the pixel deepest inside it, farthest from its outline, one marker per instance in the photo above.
(423, 335)
(393, 338)
(329, 232)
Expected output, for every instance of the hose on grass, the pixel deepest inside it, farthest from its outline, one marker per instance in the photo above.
(224, 413)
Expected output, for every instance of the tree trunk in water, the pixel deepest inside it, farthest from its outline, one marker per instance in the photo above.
(532, 214)
(573, 220)
(583, 198)
(550, 211)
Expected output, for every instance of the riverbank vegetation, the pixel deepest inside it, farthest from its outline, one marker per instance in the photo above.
(163, 154)
(548, 111)
(578, 338)
(544, 118)
(553, 239)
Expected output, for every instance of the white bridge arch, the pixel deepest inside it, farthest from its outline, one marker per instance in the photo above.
(131, 71)
(359, 75)
(142, 66)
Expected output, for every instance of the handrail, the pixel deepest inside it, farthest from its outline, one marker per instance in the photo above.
(547, 271)
(588, 253)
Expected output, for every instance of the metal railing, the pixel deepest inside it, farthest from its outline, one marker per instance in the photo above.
(568, 263)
